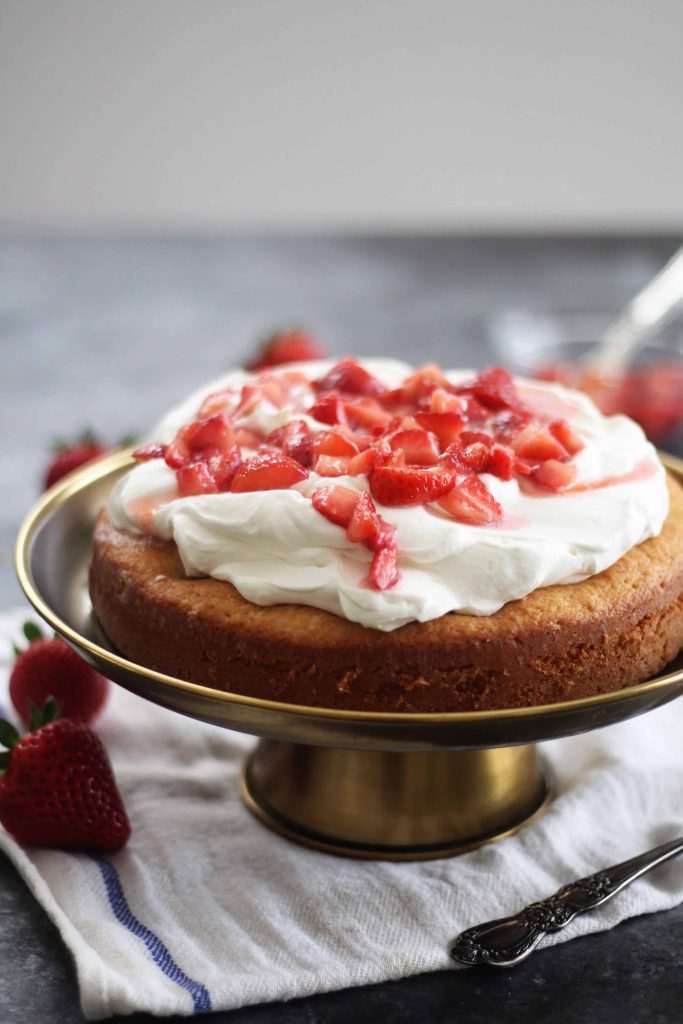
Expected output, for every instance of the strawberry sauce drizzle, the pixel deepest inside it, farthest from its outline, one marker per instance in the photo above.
(145, 509)
(426, 442)
(643, 470)
(509, 523)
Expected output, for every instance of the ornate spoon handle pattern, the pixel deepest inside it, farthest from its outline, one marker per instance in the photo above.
(509, 940)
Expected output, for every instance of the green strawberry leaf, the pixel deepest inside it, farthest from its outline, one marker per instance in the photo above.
(17, 650)
(32, 632)
(9, 737)
(35, 717)
(87, 436)
(51, 711)
(60, 444)
(4, 760)
(38, 717)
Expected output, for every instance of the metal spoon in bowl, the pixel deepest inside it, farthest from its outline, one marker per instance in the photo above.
(650, 309)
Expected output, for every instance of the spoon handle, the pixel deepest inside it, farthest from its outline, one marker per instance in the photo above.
(509, 940)
(657, 301)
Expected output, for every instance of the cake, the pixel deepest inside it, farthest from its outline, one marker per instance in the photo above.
(364, 536)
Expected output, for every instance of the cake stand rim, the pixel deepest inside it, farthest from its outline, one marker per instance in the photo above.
(94, 472)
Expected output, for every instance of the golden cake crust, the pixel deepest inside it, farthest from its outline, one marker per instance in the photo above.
(561, 642)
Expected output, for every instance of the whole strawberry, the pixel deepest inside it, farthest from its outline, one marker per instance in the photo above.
(68, 457)
(57, 787)
(287, 347)
(50, 668)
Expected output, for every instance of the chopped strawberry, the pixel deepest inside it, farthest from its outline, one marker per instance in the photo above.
(395, 399)
(269, 389)
(567, 437)
(146, 452)
(195, 478)
(556, 476)
(199, 440)
(476, 412)
(274, 389)
(351, 378)
(445, 401)
(367, 413)
(446, 425)
(334, 442)
(357, 513)
(215, 402)
(495, 389)
(403, 423)
(332, 465)
(467, 459)
(295, 440)
(223, 467)
(365, 462)
(471, 502)
(537, 445)
(502, 463)
(475, 437)
(246, 438)
(213, 433)
(397, 458)
(507, 424)
(419, 446)
(268, 472)
(394, 424)
(364, 523)
(385, 536)
(453, 456)
(287, 347)
(405, 485)
(250, 396)
(524, 467)
(361, 441)
(384, 568)
(329, 409)
(421, 385)
(336, 503)
(477, 456)
(178, 452)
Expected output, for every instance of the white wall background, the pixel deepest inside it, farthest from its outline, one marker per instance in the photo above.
(215, 114)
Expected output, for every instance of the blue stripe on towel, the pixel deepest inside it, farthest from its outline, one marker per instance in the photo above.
(160, 954)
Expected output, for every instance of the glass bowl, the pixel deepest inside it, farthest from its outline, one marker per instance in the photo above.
(555, 347)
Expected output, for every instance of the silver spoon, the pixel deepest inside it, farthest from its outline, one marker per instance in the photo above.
(509, 940)
(650, 309)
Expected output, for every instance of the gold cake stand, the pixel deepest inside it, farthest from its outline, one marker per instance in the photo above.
(389, 786)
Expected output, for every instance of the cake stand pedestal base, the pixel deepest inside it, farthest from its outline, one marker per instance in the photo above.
(388, 805)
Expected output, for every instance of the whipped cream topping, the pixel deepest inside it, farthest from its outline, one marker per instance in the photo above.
(275, 548)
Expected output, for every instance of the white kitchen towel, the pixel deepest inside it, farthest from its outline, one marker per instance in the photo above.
(206, 909)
